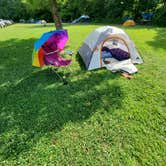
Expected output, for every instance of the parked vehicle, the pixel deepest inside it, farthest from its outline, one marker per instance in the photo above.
(2, 24)
(38, 21)
(31, 20)
(22, 21)
(5, 23)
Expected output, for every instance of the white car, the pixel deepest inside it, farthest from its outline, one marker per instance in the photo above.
(12, 22)
(7, 22)
(2, 24)
(22, 21)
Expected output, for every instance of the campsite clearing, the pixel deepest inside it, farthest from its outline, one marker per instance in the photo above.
(100, 117)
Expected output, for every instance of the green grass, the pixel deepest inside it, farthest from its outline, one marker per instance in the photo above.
(100, 118)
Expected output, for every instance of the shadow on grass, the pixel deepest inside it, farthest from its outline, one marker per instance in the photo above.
(34, 104)
(16, 57)
(160, 39)
(49, 25)
(80, 62)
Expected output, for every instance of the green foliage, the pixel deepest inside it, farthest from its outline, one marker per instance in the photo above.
(14, 9)
(98, 10)
(100, 118)
(160, 14)
(40, 9)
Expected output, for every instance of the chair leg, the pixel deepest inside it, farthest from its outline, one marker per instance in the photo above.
(61, 78)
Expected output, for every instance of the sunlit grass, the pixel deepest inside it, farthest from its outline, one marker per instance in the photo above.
(99, 118)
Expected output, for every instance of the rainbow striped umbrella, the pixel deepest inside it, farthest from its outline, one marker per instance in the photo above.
(49, 42)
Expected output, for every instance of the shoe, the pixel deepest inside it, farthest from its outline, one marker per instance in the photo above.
(126, 75)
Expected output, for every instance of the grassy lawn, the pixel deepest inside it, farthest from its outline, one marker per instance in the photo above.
(100, 118)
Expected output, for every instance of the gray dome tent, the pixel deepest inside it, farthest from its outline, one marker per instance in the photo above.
(91, 50)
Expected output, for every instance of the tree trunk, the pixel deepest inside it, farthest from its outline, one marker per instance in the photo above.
(55, 14)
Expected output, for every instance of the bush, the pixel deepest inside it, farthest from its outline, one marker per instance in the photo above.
(160, 15)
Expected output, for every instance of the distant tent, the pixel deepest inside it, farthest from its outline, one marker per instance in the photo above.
(107, 37)
(129, 23)
(83, 18)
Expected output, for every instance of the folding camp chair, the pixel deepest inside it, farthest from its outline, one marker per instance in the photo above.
(55, 61)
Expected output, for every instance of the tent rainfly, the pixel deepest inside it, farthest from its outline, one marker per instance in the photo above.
(91, 50)
(129, 23)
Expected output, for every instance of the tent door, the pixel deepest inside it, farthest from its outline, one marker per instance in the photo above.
(113, 42)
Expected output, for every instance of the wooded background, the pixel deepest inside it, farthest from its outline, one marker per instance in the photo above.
(110, 11)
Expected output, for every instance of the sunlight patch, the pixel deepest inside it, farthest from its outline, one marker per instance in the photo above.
(52, 86)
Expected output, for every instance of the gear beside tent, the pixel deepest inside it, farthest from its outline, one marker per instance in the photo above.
(129, 23)
(110, 47)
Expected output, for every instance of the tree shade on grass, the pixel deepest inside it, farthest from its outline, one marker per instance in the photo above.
(99, 118)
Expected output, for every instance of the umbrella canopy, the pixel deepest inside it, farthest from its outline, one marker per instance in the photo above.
(48, 43)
